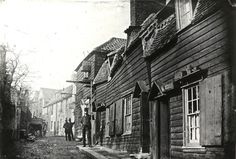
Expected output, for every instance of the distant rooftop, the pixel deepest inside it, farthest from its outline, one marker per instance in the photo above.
(110, 45)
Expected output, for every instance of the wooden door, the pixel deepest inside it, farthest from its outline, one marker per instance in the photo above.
(159, 129)
(98, 122)
(145, 129)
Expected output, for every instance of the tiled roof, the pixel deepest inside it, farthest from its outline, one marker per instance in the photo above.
(103, 73)
(163, 36)
(117, 61)
(159, 30)
(111, 45)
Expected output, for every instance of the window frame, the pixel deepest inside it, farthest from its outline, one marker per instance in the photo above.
(178, 12)
(124, 103)
(86, 75)
(186, 139)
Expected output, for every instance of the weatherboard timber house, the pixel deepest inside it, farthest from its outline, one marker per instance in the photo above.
(170, 93)
(187, 47)
(85, 74)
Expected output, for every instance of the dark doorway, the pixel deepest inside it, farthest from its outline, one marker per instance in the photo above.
(145, 129)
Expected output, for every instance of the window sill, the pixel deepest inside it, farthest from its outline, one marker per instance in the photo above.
(126, 133)
(198, 149)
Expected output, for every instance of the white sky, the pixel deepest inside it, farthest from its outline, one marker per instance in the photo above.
(55, 35)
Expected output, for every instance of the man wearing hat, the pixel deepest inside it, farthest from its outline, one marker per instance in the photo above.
(66, 127)
(86, 127)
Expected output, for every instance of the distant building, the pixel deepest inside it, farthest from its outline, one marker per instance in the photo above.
(41, 98)
(86, 72)
(60, 107)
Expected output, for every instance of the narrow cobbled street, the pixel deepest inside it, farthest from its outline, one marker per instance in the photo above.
(49, 148)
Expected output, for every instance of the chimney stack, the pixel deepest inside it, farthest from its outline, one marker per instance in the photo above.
(141, 9)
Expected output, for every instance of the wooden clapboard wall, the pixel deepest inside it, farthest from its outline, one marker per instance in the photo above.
(133, 68)
(204, 45)
(83, 92)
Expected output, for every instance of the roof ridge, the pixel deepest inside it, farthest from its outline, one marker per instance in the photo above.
(107, 42)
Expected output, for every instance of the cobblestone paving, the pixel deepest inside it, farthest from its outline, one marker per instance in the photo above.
(49, 148)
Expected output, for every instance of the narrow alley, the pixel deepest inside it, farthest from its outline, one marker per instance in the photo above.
(49, 148)
(124, 79)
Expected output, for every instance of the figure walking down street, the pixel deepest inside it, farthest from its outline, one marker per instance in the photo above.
(66, 127)
(86, 126)
(70, 129)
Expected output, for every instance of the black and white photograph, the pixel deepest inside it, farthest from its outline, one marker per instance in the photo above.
(117, 79)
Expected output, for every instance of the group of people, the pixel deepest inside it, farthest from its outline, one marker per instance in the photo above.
(68, 129)
(86, 128)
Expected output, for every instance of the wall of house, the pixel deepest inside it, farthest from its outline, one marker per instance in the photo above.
(96, 61)
(132, 69)
(204, 45)
(81, 92)
(100, 93)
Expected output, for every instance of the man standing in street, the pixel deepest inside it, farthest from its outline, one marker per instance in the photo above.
(66, 127)
(86, 127)
(70, 129)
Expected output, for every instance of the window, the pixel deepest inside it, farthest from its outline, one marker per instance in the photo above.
(127, 105)
(203, 112)
(192, 115)
(86, 74)
(184, 13)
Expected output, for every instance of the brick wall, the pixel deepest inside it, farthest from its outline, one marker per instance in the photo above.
(140, 10)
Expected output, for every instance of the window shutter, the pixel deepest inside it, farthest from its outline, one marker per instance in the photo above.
(211, 111)
(112, 120)
(107, 122)
(119, 117)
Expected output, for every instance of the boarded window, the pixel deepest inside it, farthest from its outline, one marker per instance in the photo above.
(119, 117)
(211, 111)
